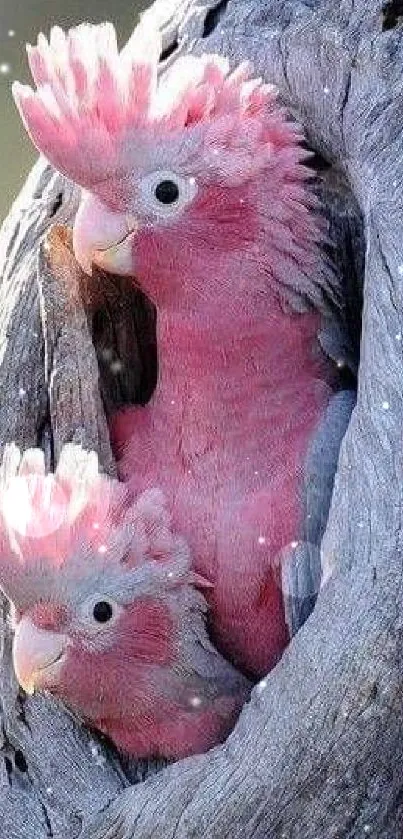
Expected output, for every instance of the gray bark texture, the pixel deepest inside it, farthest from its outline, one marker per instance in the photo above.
(318, 751)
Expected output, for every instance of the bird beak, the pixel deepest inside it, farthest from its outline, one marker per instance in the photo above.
(37, 655)
(104, 238)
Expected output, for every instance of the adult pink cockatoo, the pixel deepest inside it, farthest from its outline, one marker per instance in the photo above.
(107, 611)
(194, 185)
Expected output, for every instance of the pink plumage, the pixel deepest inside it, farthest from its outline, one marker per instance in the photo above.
(107, 613)
(90, 98)
(194, 184)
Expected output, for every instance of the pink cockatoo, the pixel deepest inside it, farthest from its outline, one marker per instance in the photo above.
(194, 185)
(107, 611)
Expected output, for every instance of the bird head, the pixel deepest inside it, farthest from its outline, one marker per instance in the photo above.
(106, 610)
(179, 173)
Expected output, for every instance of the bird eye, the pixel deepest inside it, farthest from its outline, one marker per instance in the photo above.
(164, 194)
(167, 192)
(102, 611)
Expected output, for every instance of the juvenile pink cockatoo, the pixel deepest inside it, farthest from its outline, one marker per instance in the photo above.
(107, 614)
(194, 185)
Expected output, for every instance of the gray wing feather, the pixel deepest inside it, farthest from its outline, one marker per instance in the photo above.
(301, 568)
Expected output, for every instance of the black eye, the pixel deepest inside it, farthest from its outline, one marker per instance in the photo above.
(167, 192)
(102, 611)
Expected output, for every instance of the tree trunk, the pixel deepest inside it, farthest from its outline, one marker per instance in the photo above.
(318, 750)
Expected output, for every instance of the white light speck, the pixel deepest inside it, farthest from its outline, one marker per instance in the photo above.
(195, 701)
(96, 525)
(360, 524)
(394, 183)
(96, 753)
(49, 790)
(11, 33)
(294, 544)
(172, 401)
(261, 540)
(116, 366)
(340, 363)
(385, 405)
(192, 181)
(256, 473)
(400, 270)
(102, 549)
(215, 152)
(261, 686)
(21, 392)
(4, 68)
(367, 828)
(170, 575)
(326, 90)
(398, 336)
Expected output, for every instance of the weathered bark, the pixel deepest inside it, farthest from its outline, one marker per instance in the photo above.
(53, 770)
(318, 750)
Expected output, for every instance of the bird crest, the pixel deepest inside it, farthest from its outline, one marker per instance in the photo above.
(76, 520)
(93, 104)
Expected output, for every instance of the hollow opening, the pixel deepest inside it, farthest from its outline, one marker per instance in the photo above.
(56, 205)
(123, 327)
(9, 768)
(392, 14)
(213, 17)
(169, 50)
(20, 761)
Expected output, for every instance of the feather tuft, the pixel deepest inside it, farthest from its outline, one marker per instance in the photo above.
(75, 520)
(92, 103)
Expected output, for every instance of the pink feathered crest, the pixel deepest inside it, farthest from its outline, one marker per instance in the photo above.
(93, 103)
(50, 521)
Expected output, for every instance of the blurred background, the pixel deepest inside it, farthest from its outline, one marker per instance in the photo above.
(20, 22)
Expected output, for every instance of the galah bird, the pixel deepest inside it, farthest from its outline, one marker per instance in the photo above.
(194, 184)
(106, 608)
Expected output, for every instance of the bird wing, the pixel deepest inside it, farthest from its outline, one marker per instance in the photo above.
(301, 568)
